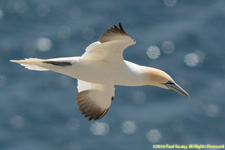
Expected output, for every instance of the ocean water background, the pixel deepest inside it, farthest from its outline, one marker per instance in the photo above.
(184, 38)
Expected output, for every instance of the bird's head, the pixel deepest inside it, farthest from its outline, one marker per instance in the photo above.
(161, 79)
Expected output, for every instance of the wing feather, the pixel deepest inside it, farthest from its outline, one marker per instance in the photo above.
(110, 46)
(115, 33)
(93, 99)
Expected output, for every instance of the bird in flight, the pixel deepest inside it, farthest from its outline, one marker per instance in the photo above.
(100, 68)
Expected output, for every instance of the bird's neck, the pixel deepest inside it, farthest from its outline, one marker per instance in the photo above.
(152, 76)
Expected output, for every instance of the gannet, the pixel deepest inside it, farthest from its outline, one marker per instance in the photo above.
(100, 68)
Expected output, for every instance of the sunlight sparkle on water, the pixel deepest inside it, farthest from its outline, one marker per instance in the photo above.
(44, 44)
(17, 122)
(139, 97)
(74, 12)
(128, 127)
(19, 6)
(42, 9)
(191, 59)
(201, 55)
(195, 58)
(1, 13)
(64, 32)
(99, 128)
(168, 47)
(2, 80)
(153, 52)
(170, 3)
(153, 135)
(88, 33)
(212, 110)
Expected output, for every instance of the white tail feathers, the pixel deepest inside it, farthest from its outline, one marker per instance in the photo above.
(31, 64)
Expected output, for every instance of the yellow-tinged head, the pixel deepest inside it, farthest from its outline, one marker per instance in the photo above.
(161, 79)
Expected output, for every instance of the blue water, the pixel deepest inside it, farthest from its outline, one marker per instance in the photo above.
(184, 38)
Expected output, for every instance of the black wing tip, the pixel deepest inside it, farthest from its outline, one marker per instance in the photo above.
(106, 36)
(98, 117)
(88, 108)
(116, 28)
(121, 27)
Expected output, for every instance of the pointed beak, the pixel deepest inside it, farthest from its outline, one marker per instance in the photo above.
(176, 88)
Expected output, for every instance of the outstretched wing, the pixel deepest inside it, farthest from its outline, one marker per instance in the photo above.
(116, 33)
(94, 99)
(110, 46)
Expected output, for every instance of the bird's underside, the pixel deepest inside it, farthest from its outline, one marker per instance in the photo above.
(100, 68)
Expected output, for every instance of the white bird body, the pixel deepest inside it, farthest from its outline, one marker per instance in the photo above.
(127, 74)
(100, 68)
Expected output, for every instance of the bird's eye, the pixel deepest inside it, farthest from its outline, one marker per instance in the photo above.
(167, 83)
